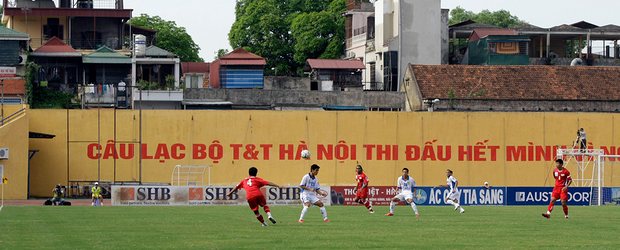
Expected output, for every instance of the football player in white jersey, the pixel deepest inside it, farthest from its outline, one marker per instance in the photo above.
(309, 189)
(406, 186)
(455, 193)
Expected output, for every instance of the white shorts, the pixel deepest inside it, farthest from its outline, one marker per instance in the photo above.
(309, 197)
(404, 196)
(455, 195)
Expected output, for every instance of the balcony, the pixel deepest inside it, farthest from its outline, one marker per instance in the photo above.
(69, 8)
(65, 4)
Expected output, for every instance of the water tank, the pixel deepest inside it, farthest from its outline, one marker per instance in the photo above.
(140, 45)
(576, 62)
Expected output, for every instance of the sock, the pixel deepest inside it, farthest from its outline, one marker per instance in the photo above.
(456, 205)
(368, 205)
(550, 208)
(324, 212)
(303, 213)
(565, 208)
(415, 208)
(267, 210)
(260, 218)
(392, 205)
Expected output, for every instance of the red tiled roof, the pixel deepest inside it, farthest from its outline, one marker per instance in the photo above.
(195, 67)
(56, 47)
(240, 53)
(335, 64)
(14, 87)
(484, 32)
(517, 82)
(243, 62)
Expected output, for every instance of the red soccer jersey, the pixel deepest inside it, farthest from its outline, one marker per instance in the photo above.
(361, 180)
(561, 177)
(252, 186)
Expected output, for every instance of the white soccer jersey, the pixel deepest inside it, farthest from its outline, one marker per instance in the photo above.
(309, 182)
(452, 184)
(407, 185)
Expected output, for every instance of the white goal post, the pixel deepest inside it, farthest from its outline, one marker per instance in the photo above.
(191, 175)
(590, 166)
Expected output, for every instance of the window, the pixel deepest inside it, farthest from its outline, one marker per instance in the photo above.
(53, 29)
(194, 81)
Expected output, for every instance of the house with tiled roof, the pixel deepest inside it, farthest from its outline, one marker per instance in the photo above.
(512, 88)
(239, 69)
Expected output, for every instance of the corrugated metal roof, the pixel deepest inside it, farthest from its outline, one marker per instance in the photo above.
(56, 48)
(9, 34)
(154, 51)
(244, 62)
(105, 55)
(482, 33)
(335, 64)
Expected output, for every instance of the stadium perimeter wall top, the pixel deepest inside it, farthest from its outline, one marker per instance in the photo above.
(505, 149)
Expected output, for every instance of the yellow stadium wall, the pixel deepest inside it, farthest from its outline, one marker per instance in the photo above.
(168, 134)
(14, 136)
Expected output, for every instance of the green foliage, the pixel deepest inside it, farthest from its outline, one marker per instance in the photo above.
(146, 85)
(220, 53)
(170, 82)
(500, 18)
(30, 76)
(351, 227)
(170, 37)
(46, 98)
(287, 33)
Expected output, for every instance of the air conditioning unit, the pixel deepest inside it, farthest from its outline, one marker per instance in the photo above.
(4, 153)
(22, 59)
(350, 55)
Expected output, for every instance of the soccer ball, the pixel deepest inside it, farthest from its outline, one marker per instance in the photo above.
(305, 154)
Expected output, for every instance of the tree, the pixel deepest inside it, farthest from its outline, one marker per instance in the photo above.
(220, 52)
(500, 18)
(286, 33)
(1, 11)
(170, 37)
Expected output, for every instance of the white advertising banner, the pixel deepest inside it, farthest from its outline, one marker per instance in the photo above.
(200, 196)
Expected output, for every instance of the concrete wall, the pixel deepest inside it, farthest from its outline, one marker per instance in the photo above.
(14, 136)
(88, 147)
(34, 27)
(445, 36)
(274, 98)
(287, 83)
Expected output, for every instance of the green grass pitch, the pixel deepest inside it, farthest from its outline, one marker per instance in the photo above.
(350, 227)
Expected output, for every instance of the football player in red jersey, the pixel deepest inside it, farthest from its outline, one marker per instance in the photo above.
(255, 197)
(361, 190)
(560, 190)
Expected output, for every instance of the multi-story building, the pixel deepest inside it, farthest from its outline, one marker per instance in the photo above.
(390, 34)
(83, 24)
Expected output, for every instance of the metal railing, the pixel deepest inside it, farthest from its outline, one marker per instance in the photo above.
(68, 4)
(11, 117)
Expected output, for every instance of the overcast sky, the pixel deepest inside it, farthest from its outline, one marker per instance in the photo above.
(208, 21)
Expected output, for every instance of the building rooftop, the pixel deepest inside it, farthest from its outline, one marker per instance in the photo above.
(517, 82)
(56, 48)
(334, 64)
(241, 56)
(195, 67)
(9, 34)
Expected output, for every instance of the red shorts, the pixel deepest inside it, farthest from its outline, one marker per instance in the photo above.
(361, 193)
(559, 194)
(256, 201)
